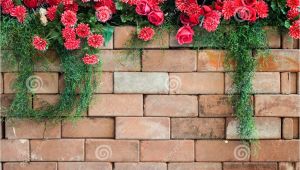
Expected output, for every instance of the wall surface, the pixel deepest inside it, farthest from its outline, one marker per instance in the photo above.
(167, 109)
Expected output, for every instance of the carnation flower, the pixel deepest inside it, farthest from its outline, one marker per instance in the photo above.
(262, 9)
(53, 2)
(68, 18)
(219, 5)
(72, 44)
(146, 34)
(95, 40)
(229, 9)
(72, 7)
(294, 30)
(51, 13)
(194, 10)
(129, 2)
(182, 5)
(103, 14)
(7, 6)
(90, 59)
(293, 3)
(293, 13)
(109, 3)
(68, 33)
(19, 12)
(211, 21)
(67, 2)
(83, 30)
(39, 43)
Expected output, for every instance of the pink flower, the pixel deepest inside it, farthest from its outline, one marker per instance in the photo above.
(68, 33)
(293, 13)
(146, 34)
(19, 12)
(72, 44)
(229, 9)
(142, 7)
(67, 2)
(83, 30)
(69, 18)
(103, 14)
(95, 40)
(53, 2)
(130, 2)
(294, 30)
(262, 9)
(293, 3)
(211, 21)
(7, 6)
(51, 13)
(185, 35)
(39, 43)
(188, 20)
(156, 17)
(72, 7)
(90, 59)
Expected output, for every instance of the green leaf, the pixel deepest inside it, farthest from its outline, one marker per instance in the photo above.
(287, 24)
(107, 33)
(119, 6)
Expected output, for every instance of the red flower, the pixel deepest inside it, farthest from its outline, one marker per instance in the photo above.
(156, 17)
(68, 33)
(51, 13)
(109, 3)
(246, 13)
(194, 10)
(83, 30)
(7, 6)
(294, 31)
(103, 14)
(95, 40)
(68, 18)
(229, 9)
(146, 34)
(293, 3)
(130, 2)
(211, 21)
(72, 7)
(293, 13)
(90, 59)
(39, 43)
(72, 44)
(182, 5)
(67, 2)
(19, 12)
(262, 9)
(53, 2)
(219, 5)
(250, 3)
(185, 35)
(31, 3)
(186, 20)
(142, 7)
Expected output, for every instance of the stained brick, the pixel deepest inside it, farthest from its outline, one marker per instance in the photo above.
(41, 101)
(142, 128)
(14, 150)
(287, 128)
(30, 166)
(195, 166)
(288, 83)
(198, 128)
(273, 37)
(112, 150)
(141, 82)
(167, 151)
(286, 166)
(277, 105)
(211, 60)
(196, 83)
(104, 82)
(141, 166)
(215, 106)
(86, 128)
(171, 105)
(57, 150)
(288, 42)
(116, 105)
(6, 100)
(84, 166)
(169, 60)
(48, 58)
(249, 166)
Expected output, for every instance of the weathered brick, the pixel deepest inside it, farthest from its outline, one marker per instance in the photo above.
(84, 166)
(211, 60)
(273, 37)
(30, 166)
(280, 60)
(215, 106)
(142, 128)
(141, 82)
(198, 128)
(116, 105)
(263, 82)
(288, 42)
(277, 105)
(267, 128)
(286, 166)
(57, 150)
(296, 128)
(86, 128)
(123, 35)
(104, 82)
(276, 150)
(167, 151)
(195, 166)
(6, 100)
(288, 83)
(287, 128)
(170, 60)
(47, 61)
(14, 150)
(171, 105)
(196, 83)
(220, 150)
(30, 129)
(40, 101)
(119, 60)
(249, 166)
(112, 150)
(141, 166)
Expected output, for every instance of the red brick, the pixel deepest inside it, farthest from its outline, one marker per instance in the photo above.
(14, 150)
(195, 166)
(286, 166)
(41, 101)
(296, 128)
(57, 150)
(123, 35)
(112, 150)
(288, 42)
(220, 150)
(30, 166)
(141, 166)
(104, 82)
(171, 105)
(84, 166)
(211, 60)
(215, 106)
(47, 61)
(196, 83)
(116, 105)
(198, 128)
(277, 105)
(167, 151)
(119, 60)
(288, 83)
(249, 166)
(287, 128)
(273, 37)
(142, 128)
(86, 128)
(276, 150)
(280, 60)
(30, 129)
(169, 60)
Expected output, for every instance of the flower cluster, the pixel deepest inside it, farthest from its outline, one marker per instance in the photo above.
(19, 12)
(293, 16)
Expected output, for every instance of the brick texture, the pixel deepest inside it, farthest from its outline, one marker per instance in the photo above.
(14, 150)
(30, 166)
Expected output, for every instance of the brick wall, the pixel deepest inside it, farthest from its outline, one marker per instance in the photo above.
(167, 109)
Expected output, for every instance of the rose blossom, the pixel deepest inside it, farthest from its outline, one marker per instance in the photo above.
(248, 2)
(146, 34)
(188, 20)
(142, 7)
(246, 13)
(53, 2)
(68, 18)
(39, 43)
(95, 40)
(185, 35)
(156, 17)
(103, 14)
(83, 30)
(90, 59)
(31, 3)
